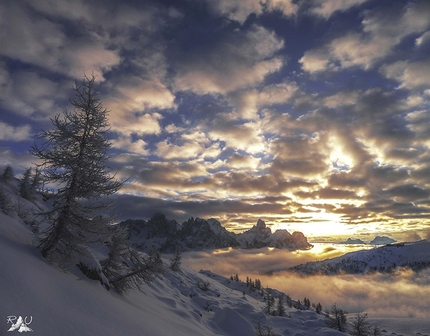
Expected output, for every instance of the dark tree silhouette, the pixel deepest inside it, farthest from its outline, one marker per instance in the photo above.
(74, 158)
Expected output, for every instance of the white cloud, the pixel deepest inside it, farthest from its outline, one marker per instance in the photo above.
(382, 31)
(239, 10)
(191, 145)
(174, 129)
(130, 146)
(132, 104)
(244, 137)
(315, 60)
(138, 95)
(248, 102)
(11, 133)
(327, 8)
(238, 61)
(243, 162)
(341, 99)
(36, 40)
(135, 123)
(410, 75)
(29, 94)
(423, 39)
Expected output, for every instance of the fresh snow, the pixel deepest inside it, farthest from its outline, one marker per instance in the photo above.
(66, 303)
(388, 258)
(36, 296)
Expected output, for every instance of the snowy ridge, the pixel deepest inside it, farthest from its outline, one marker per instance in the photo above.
(388, 258)
(378, 240)
(199, 233)
(70, 304)
(186, 302)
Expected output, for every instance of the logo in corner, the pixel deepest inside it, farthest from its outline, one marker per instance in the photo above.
(19, 324)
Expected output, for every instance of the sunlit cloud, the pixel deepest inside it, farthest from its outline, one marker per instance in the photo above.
(381, 33)
(327, 8)
(309, 115)
(239, 10)
(409, 75)
(127, 144)
(11, 133)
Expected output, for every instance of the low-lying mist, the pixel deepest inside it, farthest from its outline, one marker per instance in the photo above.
(402, 294)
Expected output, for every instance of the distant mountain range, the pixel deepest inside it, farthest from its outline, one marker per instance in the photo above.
(197, 234)
(378, 240)
(384, 259)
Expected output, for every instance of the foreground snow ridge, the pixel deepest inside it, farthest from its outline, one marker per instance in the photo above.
(69, 304)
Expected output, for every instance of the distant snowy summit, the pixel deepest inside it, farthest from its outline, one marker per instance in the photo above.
(378, 240)
(261, 236)
(354, 241)
(382, 240)
(384, 259)
(195, 234)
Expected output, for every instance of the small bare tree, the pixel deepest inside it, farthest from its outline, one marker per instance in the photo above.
(138, 269)
(337, 318)
(204, 286)
(359, 325)
(261, 331)
(175, 262)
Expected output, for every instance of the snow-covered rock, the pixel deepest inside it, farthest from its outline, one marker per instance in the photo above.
(384, 259)
(199, 233)
(354, 241)
(382, 240)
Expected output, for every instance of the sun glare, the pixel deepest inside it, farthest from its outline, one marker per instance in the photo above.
(318, 224)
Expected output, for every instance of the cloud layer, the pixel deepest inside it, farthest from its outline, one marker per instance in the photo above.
(402, 295)
(311, 115)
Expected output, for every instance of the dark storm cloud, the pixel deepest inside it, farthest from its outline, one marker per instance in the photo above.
(410, 192)
(139, 207)
(387, 175)
(346, 180)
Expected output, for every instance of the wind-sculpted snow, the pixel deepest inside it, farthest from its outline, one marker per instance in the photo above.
(385, 259)
(199, 233)
(69, 304)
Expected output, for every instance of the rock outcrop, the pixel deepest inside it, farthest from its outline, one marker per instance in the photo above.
(199, 233)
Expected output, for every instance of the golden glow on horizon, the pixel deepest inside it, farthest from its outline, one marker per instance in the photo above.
(321, 224)
(221, 251)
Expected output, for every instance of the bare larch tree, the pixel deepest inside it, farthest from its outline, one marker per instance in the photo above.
(74, 159)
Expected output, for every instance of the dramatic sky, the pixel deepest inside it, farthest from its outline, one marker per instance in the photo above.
(313, 115)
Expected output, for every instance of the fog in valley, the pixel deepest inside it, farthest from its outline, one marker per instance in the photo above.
(402, 294)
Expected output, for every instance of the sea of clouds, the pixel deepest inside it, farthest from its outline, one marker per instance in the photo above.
(403, 294)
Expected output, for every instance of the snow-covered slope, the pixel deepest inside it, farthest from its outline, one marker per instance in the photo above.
(67, 303)
(55, 302)
(199, 233)
(386, 258)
